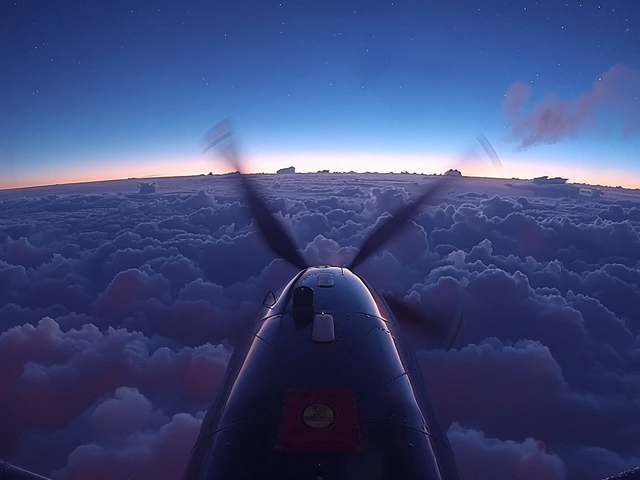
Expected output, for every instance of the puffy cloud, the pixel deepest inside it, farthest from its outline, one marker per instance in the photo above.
(117, 309)
(146, 188)
(200, 200)
(158, 454)
(50, 377)
(491, 458)
(21, 252)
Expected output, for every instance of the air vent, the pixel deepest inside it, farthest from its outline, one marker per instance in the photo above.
(326, 280)
(323, 328)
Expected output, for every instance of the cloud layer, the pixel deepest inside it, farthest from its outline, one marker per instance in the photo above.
(119, 312)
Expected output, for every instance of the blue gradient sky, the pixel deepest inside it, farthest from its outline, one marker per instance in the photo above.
(124, 89)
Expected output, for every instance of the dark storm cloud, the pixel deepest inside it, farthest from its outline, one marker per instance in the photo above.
(554, 119)
(117, 309)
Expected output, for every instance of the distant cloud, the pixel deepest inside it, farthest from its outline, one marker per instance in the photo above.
(554, 119)
(145, 187)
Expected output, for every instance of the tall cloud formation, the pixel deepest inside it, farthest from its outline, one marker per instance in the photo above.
(553, 119)
(119, 313)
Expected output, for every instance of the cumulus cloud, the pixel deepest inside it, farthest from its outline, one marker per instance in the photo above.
(158, 454)
(554, 119)
(146, 187)
(491, 458)
(119, 311)
(51, 377)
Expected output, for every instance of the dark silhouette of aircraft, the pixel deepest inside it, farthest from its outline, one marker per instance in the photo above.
(325, 384)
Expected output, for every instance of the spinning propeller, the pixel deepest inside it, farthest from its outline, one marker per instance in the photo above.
(283, 245)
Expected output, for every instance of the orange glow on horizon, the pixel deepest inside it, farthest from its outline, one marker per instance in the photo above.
(425, 164)
(122, 169)
(574, 173)
(173, 166)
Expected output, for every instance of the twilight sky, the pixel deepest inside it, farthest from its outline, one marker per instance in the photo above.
(116, 89)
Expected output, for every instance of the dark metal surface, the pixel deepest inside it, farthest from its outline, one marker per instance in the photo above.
(633, 474)
(349, 293)
(400, 437)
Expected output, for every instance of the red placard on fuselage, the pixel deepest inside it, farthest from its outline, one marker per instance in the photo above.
(319, 420)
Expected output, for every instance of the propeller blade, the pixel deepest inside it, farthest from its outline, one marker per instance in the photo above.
(274, 234)
(10, 472)
(421, 330)
(489, 150)
(217, 134)
(454, 330)
(393, 224)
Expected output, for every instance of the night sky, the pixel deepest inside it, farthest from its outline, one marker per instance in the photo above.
(100, 90)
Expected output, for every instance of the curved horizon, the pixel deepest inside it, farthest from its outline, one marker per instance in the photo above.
(336, 164)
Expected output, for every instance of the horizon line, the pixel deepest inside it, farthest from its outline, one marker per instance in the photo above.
(324, 172)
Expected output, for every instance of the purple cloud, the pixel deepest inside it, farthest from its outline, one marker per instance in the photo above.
(118, 313)
(491, 458)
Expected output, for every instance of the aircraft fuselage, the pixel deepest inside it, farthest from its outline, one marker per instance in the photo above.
(323, 387)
